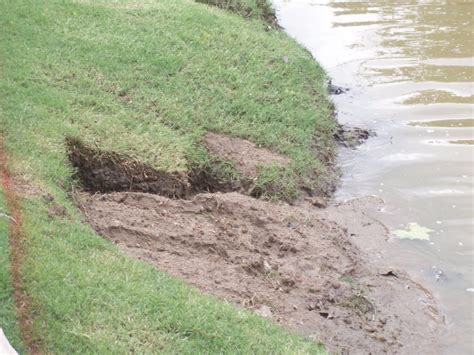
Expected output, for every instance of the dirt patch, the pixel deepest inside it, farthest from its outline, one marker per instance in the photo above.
(246, 155)
(17, 239)
(288, 263)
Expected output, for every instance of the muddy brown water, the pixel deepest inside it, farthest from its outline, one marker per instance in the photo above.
(409, 67)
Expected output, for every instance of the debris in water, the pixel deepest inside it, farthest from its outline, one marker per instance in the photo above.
(439, 274)
(336, 90)
(414, 231)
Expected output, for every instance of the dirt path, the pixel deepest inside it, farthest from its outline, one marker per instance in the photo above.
(298, 265)
(16, 237)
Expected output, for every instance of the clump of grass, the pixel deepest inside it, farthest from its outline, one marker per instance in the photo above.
(272, 183)
(256, 9)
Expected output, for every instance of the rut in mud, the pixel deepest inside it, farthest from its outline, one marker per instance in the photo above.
(291, 264)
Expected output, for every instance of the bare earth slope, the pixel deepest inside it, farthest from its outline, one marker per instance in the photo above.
(292, 264)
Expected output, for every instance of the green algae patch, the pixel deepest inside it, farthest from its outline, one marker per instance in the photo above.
(414, 231)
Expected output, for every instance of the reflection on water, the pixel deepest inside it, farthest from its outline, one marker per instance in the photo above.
(462, 141)
(410, 67)
(468, 122)
(426, 97)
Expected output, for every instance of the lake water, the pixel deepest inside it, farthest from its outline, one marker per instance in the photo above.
(410, 69)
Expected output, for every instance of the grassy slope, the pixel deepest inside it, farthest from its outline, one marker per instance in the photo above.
(7, 311)
(146, 80)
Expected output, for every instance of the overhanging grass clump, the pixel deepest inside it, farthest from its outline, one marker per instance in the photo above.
(99, 171)
(257, 9)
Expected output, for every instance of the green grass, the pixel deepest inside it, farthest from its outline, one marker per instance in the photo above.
(7, 311)
(146, 79)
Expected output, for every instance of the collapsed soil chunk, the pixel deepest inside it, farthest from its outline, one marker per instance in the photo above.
(246, 155)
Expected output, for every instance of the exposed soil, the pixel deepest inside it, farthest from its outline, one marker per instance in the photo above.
(108, 171)
(16, 237)
(294, 264)
(246, 155)
(102, 171)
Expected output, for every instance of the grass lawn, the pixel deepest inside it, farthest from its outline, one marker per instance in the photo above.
(146, 79)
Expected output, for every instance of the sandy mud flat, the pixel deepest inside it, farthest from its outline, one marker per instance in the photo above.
(300, 266)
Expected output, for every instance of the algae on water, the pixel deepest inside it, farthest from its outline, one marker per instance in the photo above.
(414, 231)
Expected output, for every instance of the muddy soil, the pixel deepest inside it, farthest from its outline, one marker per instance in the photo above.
(245, 154)
(297, 265)
(108, 171)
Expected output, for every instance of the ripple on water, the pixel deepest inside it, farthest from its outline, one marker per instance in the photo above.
(450, 123)
(466, 142)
